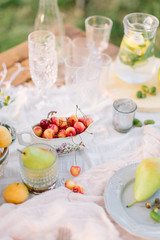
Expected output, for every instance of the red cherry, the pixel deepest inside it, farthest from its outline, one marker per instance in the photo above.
(44, 123)
(88, 121)
(38, 131)
(78, 188)
(69, 184)
(72, 119)
(61, 133)
(54, 128)
(79, 126)
(82, 120)
(70, 131)
(55, 120)
(75, 170)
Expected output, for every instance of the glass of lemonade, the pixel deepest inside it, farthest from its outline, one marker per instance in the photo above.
(39, 179)
(135, 62)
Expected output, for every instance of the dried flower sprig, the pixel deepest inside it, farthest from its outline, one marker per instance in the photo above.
(5, 100)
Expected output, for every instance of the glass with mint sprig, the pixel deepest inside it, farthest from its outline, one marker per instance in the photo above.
(5, 101)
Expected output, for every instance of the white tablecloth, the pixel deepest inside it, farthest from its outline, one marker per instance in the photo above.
(28, 109)
(106, 143)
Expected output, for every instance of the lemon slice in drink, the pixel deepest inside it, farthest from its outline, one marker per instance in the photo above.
(138, 49)
(137, 43)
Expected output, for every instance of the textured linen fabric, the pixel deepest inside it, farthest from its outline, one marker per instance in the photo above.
(41, 216)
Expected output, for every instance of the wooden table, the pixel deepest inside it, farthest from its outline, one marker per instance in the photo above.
(19, 54)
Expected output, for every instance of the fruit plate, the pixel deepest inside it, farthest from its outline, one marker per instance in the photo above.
(119, 193)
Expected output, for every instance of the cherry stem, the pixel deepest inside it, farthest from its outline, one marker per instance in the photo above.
(76, 148)
(75, 158)
(131, 204)
(76, 110)
(81, 111)
(81, 143)
(88, 132)
(50, 114)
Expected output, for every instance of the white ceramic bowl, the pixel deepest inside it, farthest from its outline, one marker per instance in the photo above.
(62, 145)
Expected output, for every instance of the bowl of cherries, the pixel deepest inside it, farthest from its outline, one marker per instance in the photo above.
(65, 134)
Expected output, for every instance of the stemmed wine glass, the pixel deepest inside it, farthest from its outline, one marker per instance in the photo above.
(98, 29)
(42, 60)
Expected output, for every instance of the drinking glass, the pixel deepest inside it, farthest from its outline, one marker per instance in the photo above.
(81, 46)
(101, 64)
(123, 114)
(63, 49)
(40, 180)
(72, 64)
(98, 29)
(91, 81)
(42, 59)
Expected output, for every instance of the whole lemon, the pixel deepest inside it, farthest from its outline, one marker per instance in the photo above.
(5, 137)
(15, 193)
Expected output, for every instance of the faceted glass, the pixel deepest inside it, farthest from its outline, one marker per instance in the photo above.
(40, 180)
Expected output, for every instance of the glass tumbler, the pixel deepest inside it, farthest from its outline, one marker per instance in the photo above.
(81, 47)
(123, 114)
(98, 30)
(92, 82)
(40, 180)
(100, 64)
(73, 63)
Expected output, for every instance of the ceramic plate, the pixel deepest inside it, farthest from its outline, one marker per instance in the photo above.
(136, 219)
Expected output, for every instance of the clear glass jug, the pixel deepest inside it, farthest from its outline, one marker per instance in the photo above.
(48, 17)
(135, 62)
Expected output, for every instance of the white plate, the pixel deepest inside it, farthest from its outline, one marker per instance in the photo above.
(136, 219)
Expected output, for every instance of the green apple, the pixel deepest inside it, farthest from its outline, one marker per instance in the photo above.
(37, 158)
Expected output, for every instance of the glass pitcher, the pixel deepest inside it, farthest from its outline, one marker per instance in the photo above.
(135, 62)
(49, 18)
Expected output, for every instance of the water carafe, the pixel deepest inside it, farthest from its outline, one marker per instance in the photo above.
(49, 18)
(135, 63)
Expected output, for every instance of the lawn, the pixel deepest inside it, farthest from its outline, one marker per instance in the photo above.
(17, 17)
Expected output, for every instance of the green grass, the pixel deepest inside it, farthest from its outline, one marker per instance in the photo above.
(17, 17)
(65, 3)
(16, 22)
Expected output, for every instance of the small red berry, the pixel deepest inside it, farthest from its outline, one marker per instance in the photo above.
(78, 188)
(44, 123)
